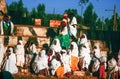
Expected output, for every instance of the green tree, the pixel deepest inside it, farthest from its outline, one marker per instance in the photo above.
(90, 17)
(12, 11)
(20, 11)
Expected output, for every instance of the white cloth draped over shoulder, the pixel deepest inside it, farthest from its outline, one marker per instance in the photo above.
(73, 26)
(10, 63)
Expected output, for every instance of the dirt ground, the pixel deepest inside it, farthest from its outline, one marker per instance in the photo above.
(31, 76)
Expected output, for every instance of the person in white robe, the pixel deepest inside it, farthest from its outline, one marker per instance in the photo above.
(96, 51)
(57, 67)
(20, 54)
(85, 51)
(66, 59)
(56, 47)
(112, 69)
(10, 63)
(2, 51)
(73, 51)
(40, 63)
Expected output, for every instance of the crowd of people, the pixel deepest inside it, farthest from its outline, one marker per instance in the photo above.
(67, 53)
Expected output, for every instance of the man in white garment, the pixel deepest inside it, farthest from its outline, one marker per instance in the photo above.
(20, 54)
(10, 63)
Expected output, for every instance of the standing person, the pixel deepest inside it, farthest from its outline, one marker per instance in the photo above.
(10, 61)
(63, 35)
(6, 26)
(20, 54)
(2, 51)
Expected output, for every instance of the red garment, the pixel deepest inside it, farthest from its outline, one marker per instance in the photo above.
(49, 59)
(102, 71)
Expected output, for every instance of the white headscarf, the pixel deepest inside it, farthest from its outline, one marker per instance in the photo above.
(112, 65)
(96, 50)
(83, 39)
(74, 51)
(57, 47)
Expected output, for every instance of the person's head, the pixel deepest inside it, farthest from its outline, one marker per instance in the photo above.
(65, 16)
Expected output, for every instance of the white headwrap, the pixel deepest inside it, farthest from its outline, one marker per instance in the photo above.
(83, 39)
(57, 47)
(97, 50)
